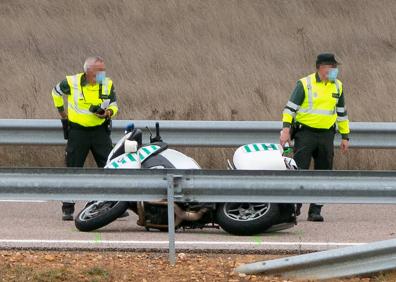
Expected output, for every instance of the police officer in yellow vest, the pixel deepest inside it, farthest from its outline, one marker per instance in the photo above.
(314, 111)
(91, 103)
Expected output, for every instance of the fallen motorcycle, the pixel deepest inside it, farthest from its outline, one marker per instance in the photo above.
(235, 218)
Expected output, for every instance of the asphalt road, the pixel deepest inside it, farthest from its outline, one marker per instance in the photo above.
(39, 225)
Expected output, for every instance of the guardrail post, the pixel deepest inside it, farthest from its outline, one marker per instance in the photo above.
(173, 184)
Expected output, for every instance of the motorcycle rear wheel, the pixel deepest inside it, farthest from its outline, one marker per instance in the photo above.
(246, 218)
(99, 214)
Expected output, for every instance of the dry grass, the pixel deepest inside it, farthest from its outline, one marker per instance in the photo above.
(210, 60)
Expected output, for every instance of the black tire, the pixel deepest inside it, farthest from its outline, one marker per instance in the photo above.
(246, 227)
(106, 212)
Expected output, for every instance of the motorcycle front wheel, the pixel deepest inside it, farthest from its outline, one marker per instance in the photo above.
(246, 218)
(98, 214)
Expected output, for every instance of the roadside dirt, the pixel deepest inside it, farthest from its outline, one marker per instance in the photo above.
(130, 266)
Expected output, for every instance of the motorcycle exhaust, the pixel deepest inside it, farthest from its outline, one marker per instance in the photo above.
(189, 216)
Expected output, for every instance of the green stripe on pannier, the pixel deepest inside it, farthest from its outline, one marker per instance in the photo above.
(130, 156)
(265, 147)
(247, 148)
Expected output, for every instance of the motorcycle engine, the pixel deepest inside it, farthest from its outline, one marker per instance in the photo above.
(156, 215)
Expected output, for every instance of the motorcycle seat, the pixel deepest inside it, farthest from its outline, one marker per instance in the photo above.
(163, 145)
(159, 147)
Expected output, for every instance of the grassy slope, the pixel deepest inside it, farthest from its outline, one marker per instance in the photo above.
(214, 60)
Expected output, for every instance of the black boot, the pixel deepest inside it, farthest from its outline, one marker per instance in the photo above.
(298, 209)
(67, 211)
(314, 213)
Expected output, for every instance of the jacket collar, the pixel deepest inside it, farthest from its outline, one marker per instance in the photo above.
(317, 77)
(84, 80)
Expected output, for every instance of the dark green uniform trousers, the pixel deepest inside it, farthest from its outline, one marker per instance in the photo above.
(317, 144)
(84, 139)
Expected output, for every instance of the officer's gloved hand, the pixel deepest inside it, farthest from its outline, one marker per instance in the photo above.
(104, 114)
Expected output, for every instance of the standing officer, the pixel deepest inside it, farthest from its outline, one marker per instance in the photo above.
(315, 107)
(91, 103)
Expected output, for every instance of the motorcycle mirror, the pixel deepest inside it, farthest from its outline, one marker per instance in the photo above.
(130, 146)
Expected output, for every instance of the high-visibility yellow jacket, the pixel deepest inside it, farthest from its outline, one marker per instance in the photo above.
(317, 104)
(81, 96)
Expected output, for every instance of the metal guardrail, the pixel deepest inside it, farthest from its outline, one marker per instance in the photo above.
(198, 185)
(194, 133)
(372, 187)
(355, 260)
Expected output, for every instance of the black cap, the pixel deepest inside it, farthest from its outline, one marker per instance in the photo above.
(326, 59)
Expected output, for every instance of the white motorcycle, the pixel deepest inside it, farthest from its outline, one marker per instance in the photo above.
(235, 218)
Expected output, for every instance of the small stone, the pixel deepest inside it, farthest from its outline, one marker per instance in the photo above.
(182, 256)
(49, 258)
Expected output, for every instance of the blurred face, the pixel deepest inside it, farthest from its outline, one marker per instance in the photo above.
(323, 71)
(97, 67)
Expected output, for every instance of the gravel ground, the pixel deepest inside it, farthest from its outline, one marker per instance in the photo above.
(129, 266)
